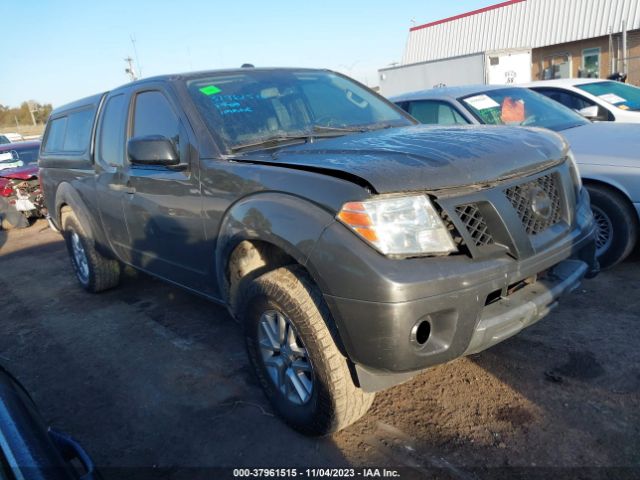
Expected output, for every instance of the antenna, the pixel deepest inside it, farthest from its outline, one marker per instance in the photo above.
(130, 70)
(135, 52)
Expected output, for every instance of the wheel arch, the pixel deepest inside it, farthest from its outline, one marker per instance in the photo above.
(286, 234)
(272, 222)
(68, 199)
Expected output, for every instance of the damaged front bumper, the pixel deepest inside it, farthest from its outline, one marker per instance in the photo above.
(458, 305)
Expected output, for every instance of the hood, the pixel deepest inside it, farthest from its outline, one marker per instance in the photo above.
(605, 143)
(424, 157)
(20, 173)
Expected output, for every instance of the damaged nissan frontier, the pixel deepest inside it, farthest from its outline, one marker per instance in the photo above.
(355, 247)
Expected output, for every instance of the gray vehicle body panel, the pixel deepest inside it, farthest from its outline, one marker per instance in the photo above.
(181, 224)
(420, 158)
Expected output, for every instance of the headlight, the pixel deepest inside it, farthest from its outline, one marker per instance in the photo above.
(575, 173)
(399, 226)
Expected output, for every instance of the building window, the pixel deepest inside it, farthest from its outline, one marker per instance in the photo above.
(557, 65)
(591, 63)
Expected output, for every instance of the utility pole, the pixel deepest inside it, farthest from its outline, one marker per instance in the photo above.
(612, 60)
(624, 48)
(33, 107)
(130, 70)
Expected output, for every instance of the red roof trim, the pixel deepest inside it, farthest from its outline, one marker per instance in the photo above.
(468, 14)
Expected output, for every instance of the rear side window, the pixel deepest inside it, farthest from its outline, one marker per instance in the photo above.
(111, 139)
(55, 136)
(568, 99)
(435, 113)
(154, 116)
(71, 133)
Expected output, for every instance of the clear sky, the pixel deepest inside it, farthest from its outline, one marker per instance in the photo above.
(59, 50)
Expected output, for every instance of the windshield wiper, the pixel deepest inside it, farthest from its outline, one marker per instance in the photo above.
(273, 142)
(329, 129)
(317, 131)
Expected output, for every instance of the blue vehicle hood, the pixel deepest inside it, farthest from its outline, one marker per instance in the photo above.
(424, 157)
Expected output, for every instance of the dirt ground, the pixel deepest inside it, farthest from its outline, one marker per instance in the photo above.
(148, 375)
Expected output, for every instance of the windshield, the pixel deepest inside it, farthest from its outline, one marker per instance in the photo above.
(619, 94)
(521, 106)
(248, 109)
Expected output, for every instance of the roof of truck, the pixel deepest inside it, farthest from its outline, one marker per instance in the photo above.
(95, 99)
(206, 73)
(83, 102)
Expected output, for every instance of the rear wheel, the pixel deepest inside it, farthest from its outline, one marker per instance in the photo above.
(616, 225)
(94, 271)
(303, 374)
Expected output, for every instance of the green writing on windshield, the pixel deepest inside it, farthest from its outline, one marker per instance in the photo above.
(210, 90)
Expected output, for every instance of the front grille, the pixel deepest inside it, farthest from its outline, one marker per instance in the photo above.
(526, 196)
(475, 224)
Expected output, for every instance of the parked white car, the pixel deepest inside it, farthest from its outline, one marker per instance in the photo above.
(608, 154)
(10, 138)
(596, 99)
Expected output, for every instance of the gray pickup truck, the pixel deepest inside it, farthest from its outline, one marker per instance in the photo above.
(355, 247)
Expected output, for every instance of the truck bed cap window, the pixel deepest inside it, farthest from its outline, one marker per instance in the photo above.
(70, 133)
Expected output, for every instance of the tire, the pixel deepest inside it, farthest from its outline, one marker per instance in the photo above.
(616, 225)
(333, 401)
(94, 271)
(11, 218)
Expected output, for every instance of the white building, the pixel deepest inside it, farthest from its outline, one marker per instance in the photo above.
(520, 40)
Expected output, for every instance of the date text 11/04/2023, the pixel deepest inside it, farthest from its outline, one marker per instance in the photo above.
(315, 473)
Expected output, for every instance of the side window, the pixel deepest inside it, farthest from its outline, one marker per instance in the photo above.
(568, 99)
(71, 133)
(78, 133)
(435, 113)
(154, 116)
(110, 146)
(55, 135)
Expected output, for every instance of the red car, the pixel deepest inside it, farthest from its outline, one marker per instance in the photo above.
(20, 192)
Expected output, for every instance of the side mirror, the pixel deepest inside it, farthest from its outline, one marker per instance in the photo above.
(592, 112)
(152, 150)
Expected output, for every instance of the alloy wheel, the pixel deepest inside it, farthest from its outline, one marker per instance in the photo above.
(285, 357)
(79, 258)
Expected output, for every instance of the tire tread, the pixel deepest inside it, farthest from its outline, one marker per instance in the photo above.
(345, 402)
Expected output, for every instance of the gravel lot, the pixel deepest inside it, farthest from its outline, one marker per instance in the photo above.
(150, 375)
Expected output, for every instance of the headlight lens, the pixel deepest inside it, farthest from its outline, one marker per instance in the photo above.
(399, 226)
(575, 173)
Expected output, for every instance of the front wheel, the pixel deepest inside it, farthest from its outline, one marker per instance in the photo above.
(616, 225)
(302, 372)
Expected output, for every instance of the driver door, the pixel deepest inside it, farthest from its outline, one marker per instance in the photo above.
(163, 205)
